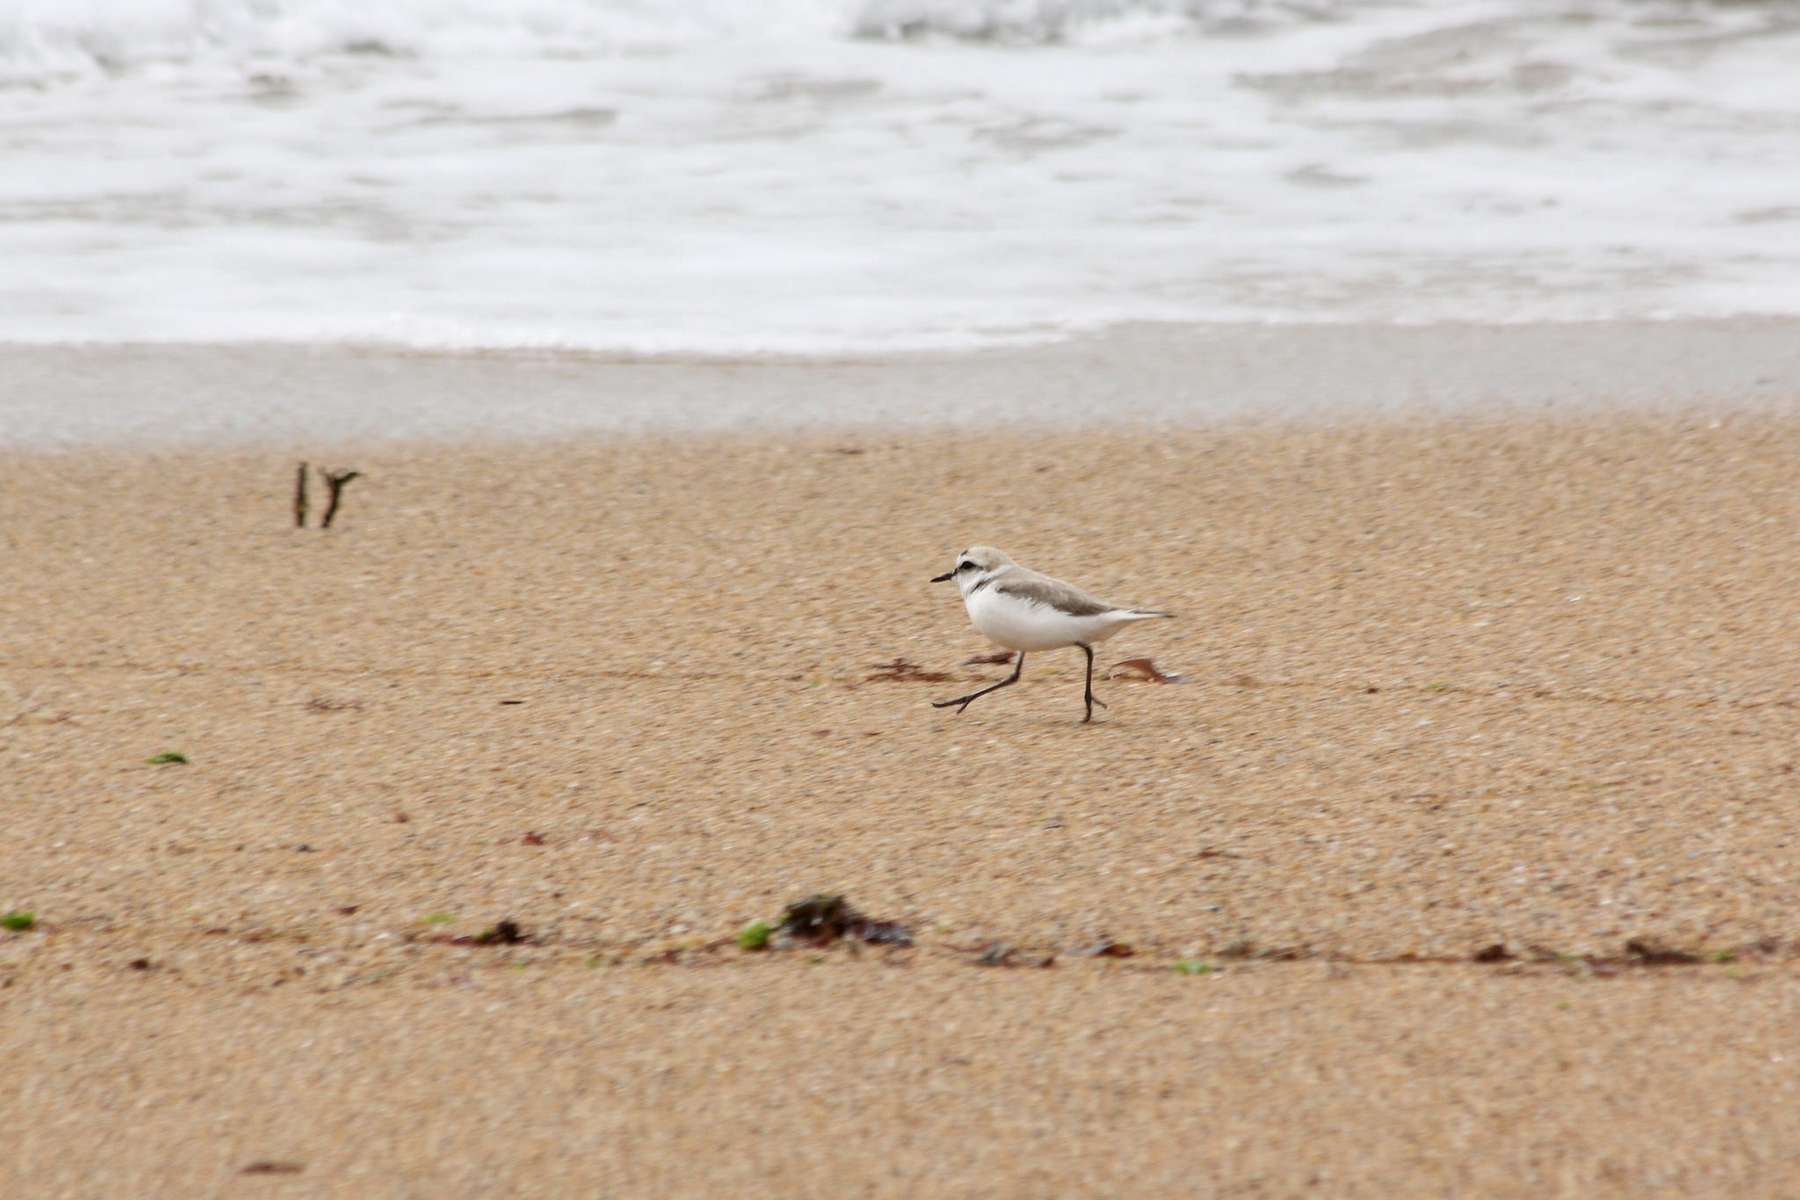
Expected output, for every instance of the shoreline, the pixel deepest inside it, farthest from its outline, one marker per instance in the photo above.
(1128, 377)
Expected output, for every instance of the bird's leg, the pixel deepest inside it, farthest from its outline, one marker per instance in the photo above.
(1088, 693)
(963, 701)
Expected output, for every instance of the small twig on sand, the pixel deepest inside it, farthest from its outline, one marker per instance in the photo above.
(300, 498)
(335, 480)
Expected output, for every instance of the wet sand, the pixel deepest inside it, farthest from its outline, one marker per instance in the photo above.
(1521, 686)
(1138, 376)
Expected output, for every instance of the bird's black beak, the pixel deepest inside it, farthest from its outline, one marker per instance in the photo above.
(946, 577)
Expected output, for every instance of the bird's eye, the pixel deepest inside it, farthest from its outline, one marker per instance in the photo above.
(965, 566)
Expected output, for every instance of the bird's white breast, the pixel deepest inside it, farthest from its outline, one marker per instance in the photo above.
(1020, 624)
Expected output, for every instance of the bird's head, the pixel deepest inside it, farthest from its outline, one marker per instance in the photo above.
(974, 566)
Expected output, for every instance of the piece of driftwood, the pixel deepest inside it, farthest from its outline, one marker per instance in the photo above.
(335, 480)
(998, 657)
(300, 497)
(1147, 669)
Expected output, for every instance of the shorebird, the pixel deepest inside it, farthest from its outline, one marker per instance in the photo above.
(1026, 611)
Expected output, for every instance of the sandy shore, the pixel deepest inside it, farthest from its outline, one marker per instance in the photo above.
(1525, 683)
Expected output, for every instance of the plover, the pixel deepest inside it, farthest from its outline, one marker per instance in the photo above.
(1027, 611)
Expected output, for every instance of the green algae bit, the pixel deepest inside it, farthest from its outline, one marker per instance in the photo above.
(18, 921)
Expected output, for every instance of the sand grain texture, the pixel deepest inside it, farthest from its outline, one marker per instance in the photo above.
(1455, 685)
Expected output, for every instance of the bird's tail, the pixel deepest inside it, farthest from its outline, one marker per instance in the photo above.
(1142, 614)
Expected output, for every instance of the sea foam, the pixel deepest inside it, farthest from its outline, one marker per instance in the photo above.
(803, 176)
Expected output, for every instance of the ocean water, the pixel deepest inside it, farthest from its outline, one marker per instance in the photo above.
(843, 176)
